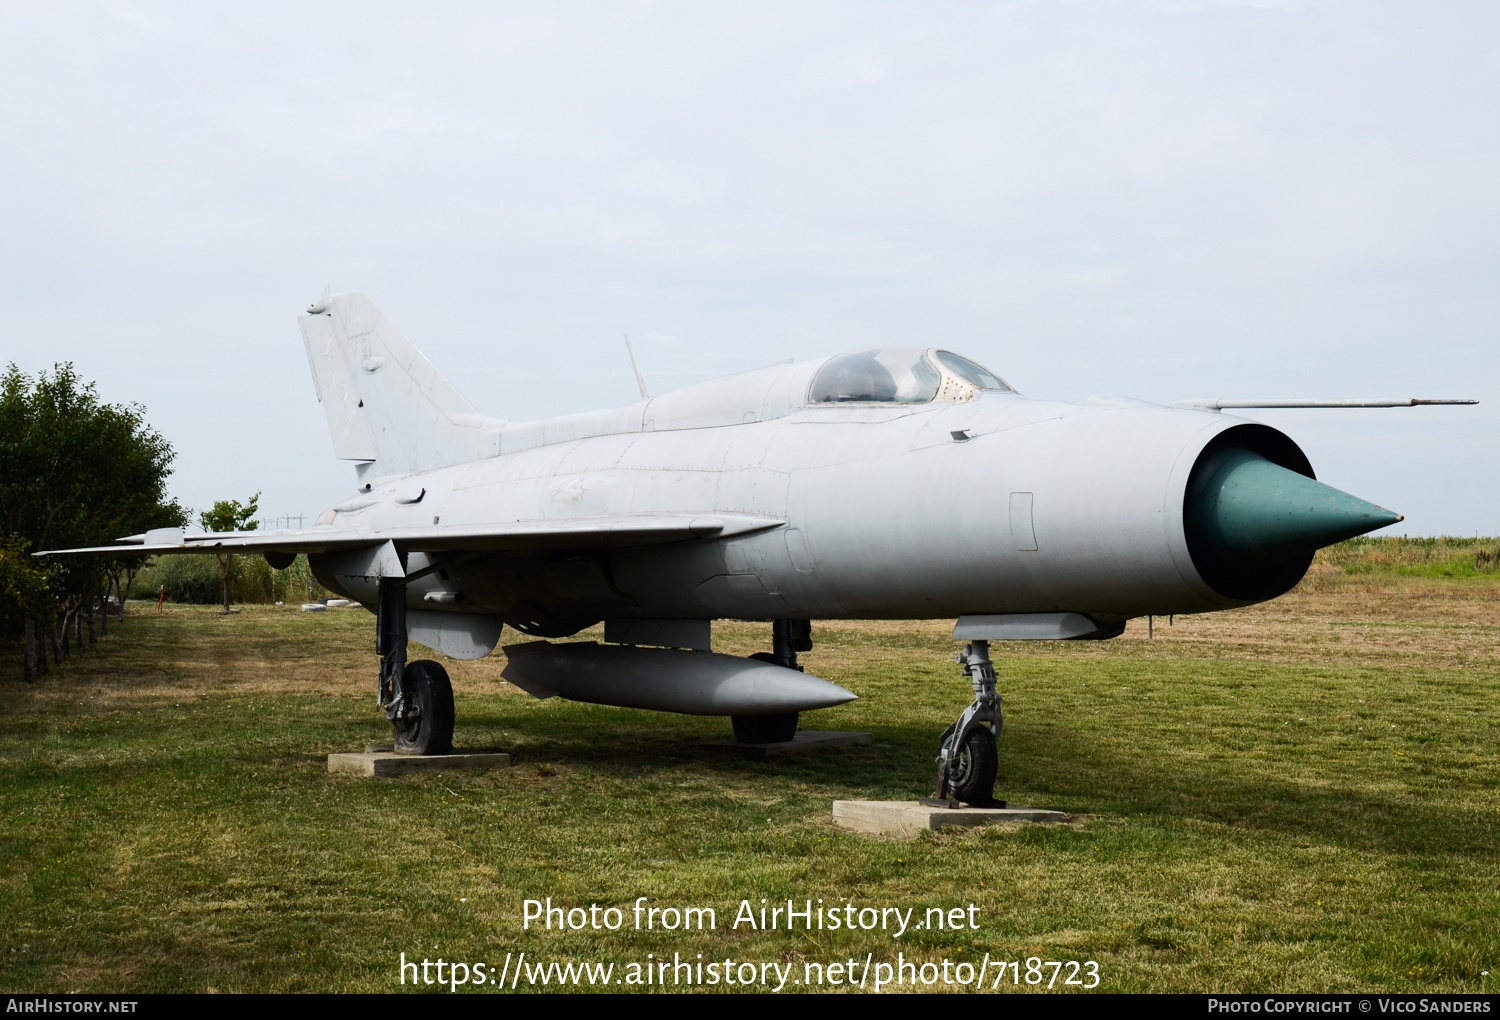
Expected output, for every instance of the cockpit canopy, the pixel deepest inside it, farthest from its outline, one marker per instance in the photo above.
(901, 375)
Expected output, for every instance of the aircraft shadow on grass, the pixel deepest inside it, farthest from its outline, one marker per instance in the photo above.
(1035, 764)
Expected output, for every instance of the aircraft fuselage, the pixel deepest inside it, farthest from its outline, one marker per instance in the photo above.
(1000, 504)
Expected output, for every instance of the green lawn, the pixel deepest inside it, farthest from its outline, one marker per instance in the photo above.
(1299, 796)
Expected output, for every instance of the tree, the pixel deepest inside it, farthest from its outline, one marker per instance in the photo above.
(26, 600)
(74, 471)
(230, 515)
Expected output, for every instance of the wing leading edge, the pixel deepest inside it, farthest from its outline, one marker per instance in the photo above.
(519, 536)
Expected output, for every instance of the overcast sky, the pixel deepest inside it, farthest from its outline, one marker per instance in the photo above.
(1158, 200)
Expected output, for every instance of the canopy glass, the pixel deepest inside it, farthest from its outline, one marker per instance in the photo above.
(900, 375)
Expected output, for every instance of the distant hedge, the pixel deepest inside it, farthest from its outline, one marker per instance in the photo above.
(1441, 556)
(195, 579)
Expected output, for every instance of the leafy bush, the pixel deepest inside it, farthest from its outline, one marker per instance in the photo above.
(195, 579)
(296, 583)
(24, 589)
(187, 578)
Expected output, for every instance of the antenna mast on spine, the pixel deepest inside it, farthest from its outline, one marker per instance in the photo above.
(639, 379)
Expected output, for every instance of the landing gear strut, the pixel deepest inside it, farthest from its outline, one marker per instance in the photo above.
(417, 696)
(967, 761)
(788, 637)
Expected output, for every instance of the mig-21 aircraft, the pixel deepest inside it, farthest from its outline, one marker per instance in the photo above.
(889, 483)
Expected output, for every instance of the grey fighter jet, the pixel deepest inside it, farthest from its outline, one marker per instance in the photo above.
(890, 483)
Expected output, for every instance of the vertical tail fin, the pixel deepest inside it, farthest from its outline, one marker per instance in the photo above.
(388, 407)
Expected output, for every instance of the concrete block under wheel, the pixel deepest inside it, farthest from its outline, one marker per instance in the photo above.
(384, 762)
(906, 818)
(804, 741)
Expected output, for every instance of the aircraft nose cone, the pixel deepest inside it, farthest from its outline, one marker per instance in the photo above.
(1244, 514)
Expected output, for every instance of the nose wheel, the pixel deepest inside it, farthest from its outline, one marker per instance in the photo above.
(967, 759)
(972, 765)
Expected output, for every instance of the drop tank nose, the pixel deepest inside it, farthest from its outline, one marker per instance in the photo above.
(1252, 525)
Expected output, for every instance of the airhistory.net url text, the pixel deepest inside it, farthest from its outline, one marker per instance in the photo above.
(663, 974)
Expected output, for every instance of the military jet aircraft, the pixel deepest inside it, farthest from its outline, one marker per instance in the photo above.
(889, 483)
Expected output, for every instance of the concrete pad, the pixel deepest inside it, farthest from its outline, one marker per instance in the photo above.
(385, 762)
(906, 818)
(804, 741)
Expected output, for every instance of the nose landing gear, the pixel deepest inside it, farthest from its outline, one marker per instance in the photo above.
(967, 759)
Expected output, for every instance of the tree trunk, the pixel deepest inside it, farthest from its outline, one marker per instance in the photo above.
(28, 668)
(40, 629)
(129, 582)
(89, 601)
(52, 629)
(78, 626)
(114, 579)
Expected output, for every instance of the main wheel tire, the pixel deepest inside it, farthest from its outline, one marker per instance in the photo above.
(431, 692)
(764, 729)
(971, 776)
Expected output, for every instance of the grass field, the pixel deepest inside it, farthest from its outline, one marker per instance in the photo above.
(1297, 796)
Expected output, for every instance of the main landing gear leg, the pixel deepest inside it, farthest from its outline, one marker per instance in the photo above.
(417, 696)
(967, 760)
(390, 645)
(788, 637)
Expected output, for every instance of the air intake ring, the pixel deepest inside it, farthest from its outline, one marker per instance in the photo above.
(1254, 514)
